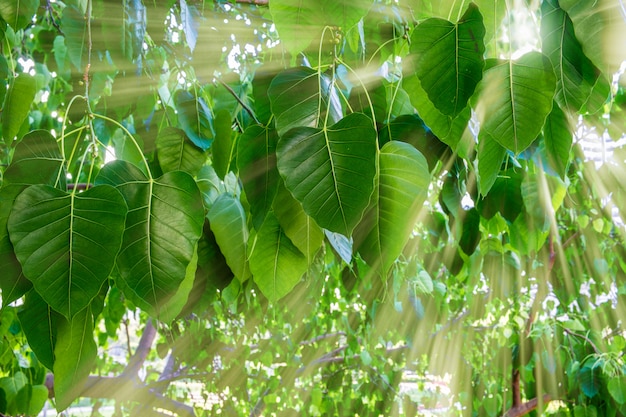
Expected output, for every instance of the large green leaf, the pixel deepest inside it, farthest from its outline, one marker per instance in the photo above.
(403, 183)
(601, 28)
(19, 98)
(177, 153)
(303, 97)
(301, 229)
(36, 160)
(66, 243)
(449, 59)
(195, 118)
(331, 171)
(39, 324)
(256, 160)
(298, 22)
(575, 73)
(617, 389)
(558, 138)
(18, 14)
(227, 219)
(276, 264)
(515, 99)
(163, 226)
(75, 356)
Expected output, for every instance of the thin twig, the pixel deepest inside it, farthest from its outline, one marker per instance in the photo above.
(244, 105)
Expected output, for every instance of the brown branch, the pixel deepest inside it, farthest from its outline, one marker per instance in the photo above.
(525, 408)
(141, 353)
(253, 2)
(82, 186)
(515, 386)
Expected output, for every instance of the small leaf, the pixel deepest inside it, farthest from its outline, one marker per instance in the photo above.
(31, 399)
(75, 356)
(74, 26)
(515, 99)
(302, 97)
(331, 171)
(589, 379)
(423, 283)
(19, 98)
(223, 147)
(617, 389)
(256, 160)
(67, 243)
(39, 324)
(470, 236)
(227, 219)
(177, 153)
(558, 138)
(190, 27)
(195, 118)
(490, 157)
(341, 244)
(276, 264)
(449, 59)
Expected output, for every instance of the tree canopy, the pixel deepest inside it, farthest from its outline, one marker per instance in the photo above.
(321, 208)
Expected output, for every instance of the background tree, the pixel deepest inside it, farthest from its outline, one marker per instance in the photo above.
(332, 208)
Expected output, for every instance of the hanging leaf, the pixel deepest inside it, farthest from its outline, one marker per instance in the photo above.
(177, 153)
(31, 399)
(402, 187)
(173, 307)
(39, 324)
(256, 160)
(590, 380)
(600, 26)
(470, 236)
(163, 226)
(4, 75)
(341, 244)
(276, 264)
(74, 26)
(515, 99)
(190, 27)
(195, 118)
(302, 97)
(67, 243)
(18, 14)
(617, 389)
(575, 73)
(558, 138)
(75, 356)
(19, 98)
(505, 196)
(449, 59)
(301, 229)
(490, 156)
(331, 171)
(227, 219)
(224, 146)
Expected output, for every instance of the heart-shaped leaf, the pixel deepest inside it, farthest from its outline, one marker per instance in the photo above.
(449, 59)
(575, 73)
(256, 160)
(276, 264)
(195, 118)
(177, 153)
(331, 171)
(490, 156)
(302, 97)
(67, 243)
(163, 226)
(403, 183)
(515, 99)
(18, 14)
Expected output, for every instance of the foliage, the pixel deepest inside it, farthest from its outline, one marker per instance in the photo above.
(338, 208)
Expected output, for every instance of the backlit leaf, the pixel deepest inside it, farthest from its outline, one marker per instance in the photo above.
(177, 153)
(331, 171)
(617, 389)
(18, 14)
(558, 138)
(195, 118)
(490, 157)
(19, 98)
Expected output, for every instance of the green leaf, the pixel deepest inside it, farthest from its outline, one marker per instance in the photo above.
(227, 219)
(19, 98)
(162, 228)
(173, 307)
(590, 379)
(18, 14)
(11, 385)
(490, 157)
(515, 99)
(31, 399)
(39, 324)
(177, 153)
(617, 389)
(505, 196)
(449, 59)
(75, 356)
(423, 283)
(449, 130)
(74, 26)
(276, 264)
(303, 97)
(558, 138)
(66, 243)
(470, 236)
(298, 23)
(301, 229)
(575, 73)
(331, 171)
(256, 160)
(600, 27)
(223, 148)
(195, 118)
(4, 75)
(402, 187)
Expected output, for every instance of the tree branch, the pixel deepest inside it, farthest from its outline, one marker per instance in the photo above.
(141, 353)
(525, 408)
